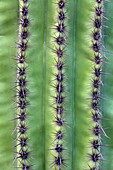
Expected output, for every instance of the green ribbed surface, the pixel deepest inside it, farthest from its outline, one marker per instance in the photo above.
(40, 61)
(79, 72)
(8, 27)
(83, 77)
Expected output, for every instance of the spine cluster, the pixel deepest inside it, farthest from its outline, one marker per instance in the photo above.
(96, 97)
(22, 149)
(58, 86)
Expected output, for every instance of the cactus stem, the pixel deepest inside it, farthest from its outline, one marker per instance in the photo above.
(22, 146)
(96, 97)
(58, 87)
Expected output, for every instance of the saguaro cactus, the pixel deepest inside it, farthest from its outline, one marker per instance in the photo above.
(55, 115)
(22, 153)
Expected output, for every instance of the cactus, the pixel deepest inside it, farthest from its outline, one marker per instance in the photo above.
(22, 147)
(55, 115)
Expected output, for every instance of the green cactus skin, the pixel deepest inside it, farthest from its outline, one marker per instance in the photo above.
(70, 64)
(78, 69)
(82, 88)
(107, 90)
(8, 37)
(40, 72)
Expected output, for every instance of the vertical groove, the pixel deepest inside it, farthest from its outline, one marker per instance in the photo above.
(73, 88)
(44, 81)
